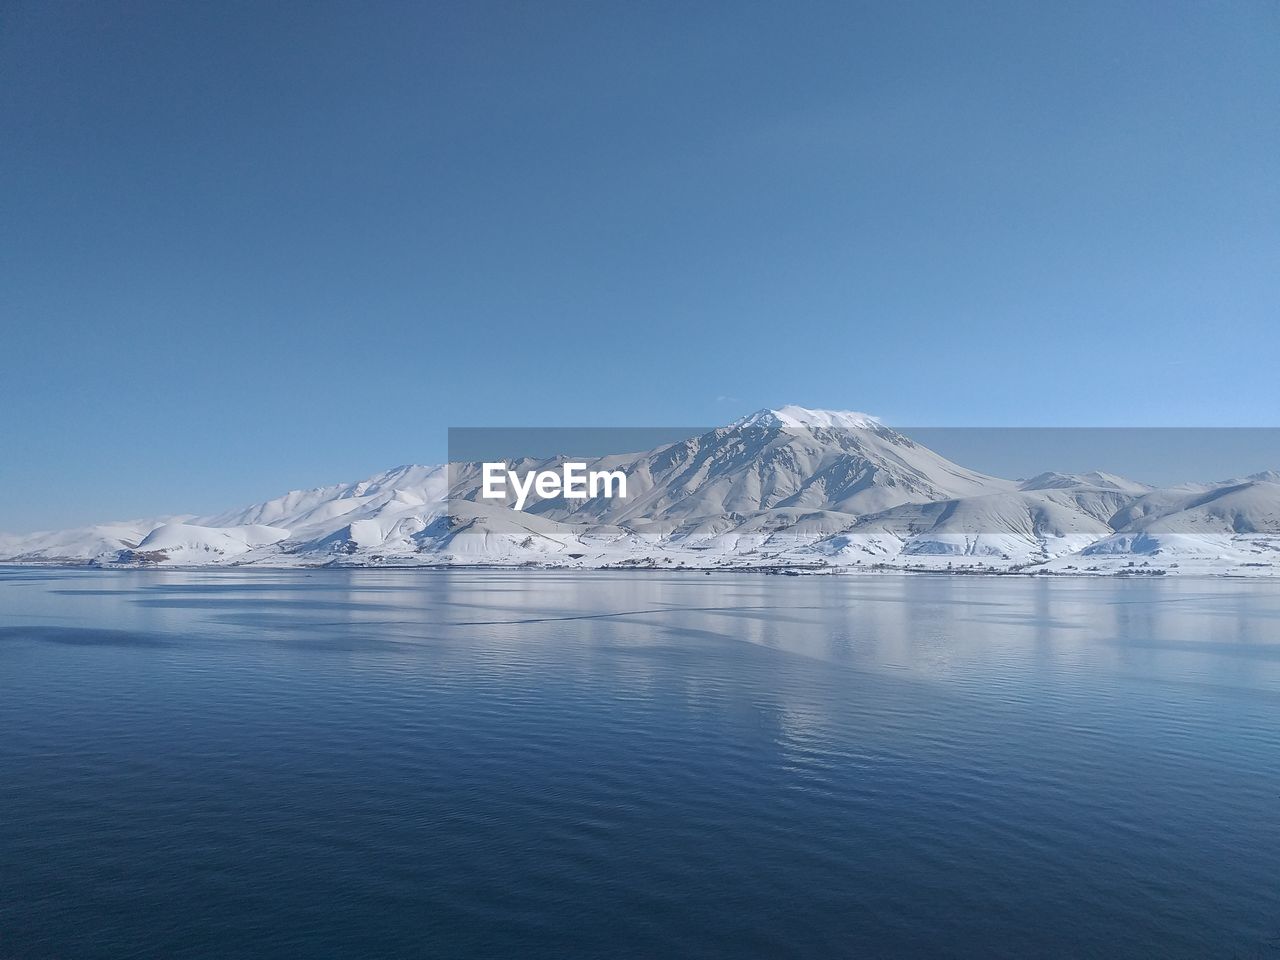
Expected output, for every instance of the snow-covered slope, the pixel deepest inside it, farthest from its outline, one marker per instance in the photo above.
(788, 458)
(192, 543)
(79, 544)
(791, 487)
(1095, 479)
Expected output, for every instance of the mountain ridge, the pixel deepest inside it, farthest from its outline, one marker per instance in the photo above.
(791, 487)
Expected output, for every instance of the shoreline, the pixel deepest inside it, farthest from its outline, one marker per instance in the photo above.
(788, 570)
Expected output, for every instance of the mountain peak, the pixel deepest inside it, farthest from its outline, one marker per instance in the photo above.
(796, 417)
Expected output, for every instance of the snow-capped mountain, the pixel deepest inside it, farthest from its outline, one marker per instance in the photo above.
(791, 487)
(790, 458)
(1095, 479)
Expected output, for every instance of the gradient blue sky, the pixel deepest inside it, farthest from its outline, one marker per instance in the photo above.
(255, 246)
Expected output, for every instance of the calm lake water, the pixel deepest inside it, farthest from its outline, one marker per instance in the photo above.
(461, 764)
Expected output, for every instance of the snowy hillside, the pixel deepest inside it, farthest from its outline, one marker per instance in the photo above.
(787, 488)
(789, 458)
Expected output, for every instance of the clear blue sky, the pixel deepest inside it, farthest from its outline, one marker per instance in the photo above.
(254, 246)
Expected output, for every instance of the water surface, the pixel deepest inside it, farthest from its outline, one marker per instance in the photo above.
(462, 764)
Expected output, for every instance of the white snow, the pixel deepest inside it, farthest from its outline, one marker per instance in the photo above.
(802, 418)
(792, 487)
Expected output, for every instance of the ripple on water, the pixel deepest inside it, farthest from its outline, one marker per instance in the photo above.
(414, 763)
